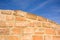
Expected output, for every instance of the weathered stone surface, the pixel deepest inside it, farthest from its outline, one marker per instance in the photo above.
(4, 31)
(31, 16)
(41, 19)
(56, 38)
(19, 25)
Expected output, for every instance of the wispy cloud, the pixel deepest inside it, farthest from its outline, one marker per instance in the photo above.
(39, 6)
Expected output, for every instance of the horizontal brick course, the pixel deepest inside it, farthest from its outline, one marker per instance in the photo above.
(3, 37)
(18, 18)
(56, 38)
(37, 37)
(4, 31)
(12, 38)
(41, 19)
(50, 31)
(31, 16)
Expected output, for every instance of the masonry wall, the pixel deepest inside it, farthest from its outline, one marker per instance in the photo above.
(19, 25)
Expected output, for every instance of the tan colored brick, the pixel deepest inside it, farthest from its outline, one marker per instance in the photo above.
(21, 27)
(15, 14)
(16, 31)
(39, 33)
(4, 31)
(19, 13)
(39, 18)
(47, 25)
(47, 37)
(9, 18)
(35, 23)
(51, 22)
(31, 24)
(50, 31)
(58, 31)
(37, 37)
(26, 37)
(3, 18)
(7, 12)
(10, 23)
(19, 18)
(56, 38)
(3, 24)
(39, 24)
(2, 37)
(29, 30)
(31, 16)
(12, 38)
(21, 23)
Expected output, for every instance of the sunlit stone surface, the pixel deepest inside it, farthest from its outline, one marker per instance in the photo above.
(19, 25)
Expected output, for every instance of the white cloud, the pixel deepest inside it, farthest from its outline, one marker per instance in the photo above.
(39, 6)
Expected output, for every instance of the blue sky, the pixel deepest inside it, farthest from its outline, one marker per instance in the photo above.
(47, 8)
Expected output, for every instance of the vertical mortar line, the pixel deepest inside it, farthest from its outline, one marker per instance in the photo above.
(52, 37)
(20, 36)
(5, 38)
(43, 37)
(10, 29)
(55, 30)
(15, 23)
(7, 27)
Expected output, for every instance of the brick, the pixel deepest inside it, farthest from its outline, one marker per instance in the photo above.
(58, 31)
(31, 24)
(18, 18)
(39, 18)
(35, 23)
(26, 37)
(39, 24)
(21, 27)
(51, 22)
(20, 13)
(47, 37)
(15, 14)
(29, 30)
(2, 17)
(21, 23)
(2, 37)
(50, 31)
(16, 31)
(9, 18)
(39, 31)
(37, 37)
(56, 38)
(4, 31)
(12, 38)
(7, 12)
(3, 24)
(31, 16)
(10, 23)
(47, 25)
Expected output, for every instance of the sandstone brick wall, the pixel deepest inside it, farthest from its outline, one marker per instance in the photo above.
(19, 25)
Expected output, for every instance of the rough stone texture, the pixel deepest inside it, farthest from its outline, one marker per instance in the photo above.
(19, 25)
